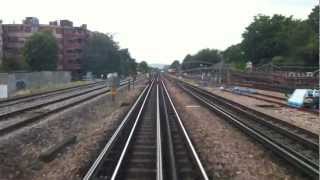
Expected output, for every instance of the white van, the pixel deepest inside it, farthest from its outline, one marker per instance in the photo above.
(298, 97)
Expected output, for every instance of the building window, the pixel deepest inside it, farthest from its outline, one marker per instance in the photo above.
(27, 29)
(58, 31)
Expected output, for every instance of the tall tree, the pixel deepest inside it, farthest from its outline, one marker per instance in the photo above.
(235, 55)
(202, 57)
(283, 40)
(175, 64)
(313, 19)
(128, 64)
(101, 54)
(41, 51)
(277, 39)
(186, 62)
(143, 67)
(266, 38)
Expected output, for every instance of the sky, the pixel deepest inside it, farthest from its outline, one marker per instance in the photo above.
(159, 31)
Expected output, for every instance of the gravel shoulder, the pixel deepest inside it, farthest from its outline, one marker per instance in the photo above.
(226, 152)
(92, 122)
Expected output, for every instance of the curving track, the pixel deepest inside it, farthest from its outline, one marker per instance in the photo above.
(150, 143)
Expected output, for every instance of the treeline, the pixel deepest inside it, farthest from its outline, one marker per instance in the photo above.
(278, 39)
(40, 52)
(204, 57)
(101, 55)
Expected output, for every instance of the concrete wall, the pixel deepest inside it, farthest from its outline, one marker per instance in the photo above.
(26, 80)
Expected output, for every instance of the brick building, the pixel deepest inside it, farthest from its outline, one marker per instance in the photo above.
(71, 40)
(15, 35)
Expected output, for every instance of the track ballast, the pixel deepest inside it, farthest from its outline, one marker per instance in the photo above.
(150, 143)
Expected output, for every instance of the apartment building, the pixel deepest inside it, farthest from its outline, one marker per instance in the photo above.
(72, 43)
(15, 35)
(71, 40)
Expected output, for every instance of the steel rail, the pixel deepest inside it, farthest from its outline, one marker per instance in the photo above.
(124, 151)
(114, 137)
(173, 175)
(159, 141)
(281, 150)
(189, 142)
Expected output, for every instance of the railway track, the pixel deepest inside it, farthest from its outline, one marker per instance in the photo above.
(27, 98)
(10, 110)
(272, 96)
(17, 118)
(264, 97)
(281, 101)
(276, 100)
(296, 145)
(150, 143)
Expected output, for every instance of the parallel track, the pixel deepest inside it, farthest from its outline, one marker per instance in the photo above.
(16, 119)
(278, 100)
(298, 146)
(272, 96)
(150, 143)
(28, 98)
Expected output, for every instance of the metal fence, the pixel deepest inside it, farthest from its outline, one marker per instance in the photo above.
(284, 79)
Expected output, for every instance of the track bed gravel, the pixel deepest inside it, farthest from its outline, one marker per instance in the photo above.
(302, 119)
(306, 120)
(226, 152)
(92, 122)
